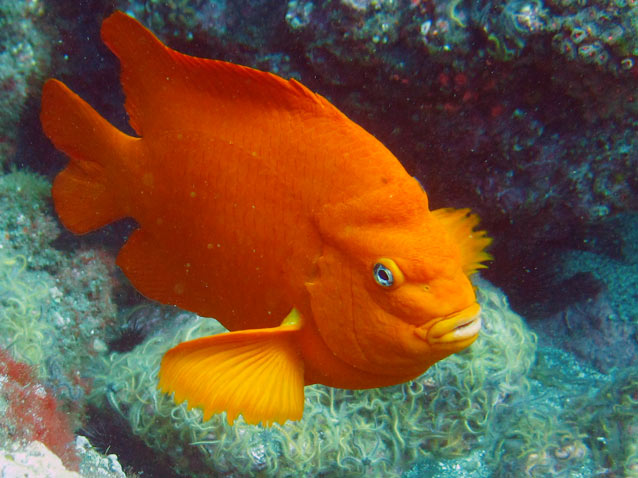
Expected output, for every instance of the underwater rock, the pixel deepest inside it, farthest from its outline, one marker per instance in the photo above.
(47, 330)
(27, 222)
(343, 37)
(614, 429)
(585, 301)
(57, 310)
(541, 444)
(31, 412)
(545, 433)
(247, 32)
(33, 460)
(95, 465)
(592, 331)
(24, 55)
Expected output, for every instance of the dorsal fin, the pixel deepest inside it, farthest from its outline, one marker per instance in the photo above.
(164, 87)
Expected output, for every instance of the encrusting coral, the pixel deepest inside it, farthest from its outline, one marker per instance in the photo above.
(30, 411)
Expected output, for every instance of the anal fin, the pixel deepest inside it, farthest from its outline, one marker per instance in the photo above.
(256, 373)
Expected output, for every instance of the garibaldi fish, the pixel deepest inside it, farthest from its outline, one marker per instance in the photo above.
(260, 204)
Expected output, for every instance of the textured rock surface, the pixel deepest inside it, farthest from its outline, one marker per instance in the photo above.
(35, 460)
(32, 461)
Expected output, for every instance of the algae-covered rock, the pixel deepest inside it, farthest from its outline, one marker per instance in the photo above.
(610, 421)
(33, 460)
(27, 222)
(24, 296)
(55, 308)
(537, 440)
(95, 465)
(444, 413)
(24, 57)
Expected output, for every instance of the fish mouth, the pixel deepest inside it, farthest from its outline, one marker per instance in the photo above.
(459, 326)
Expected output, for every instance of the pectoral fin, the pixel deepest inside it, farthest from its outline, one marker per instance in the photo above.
(460, 223)
(256, 373)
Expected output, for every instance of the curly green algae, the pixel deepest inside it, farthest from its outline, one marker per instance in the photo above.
(444, 413)
(537, 440)
(25, 292)
(575, 423)
(610, 419)
(49, 316)
(23, 328)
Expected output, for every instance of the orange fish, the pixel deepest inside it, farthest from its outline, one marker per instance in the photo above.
(262, 205)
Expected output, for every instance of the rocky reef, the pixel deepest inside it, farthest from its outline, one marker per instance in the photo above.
(525, 111)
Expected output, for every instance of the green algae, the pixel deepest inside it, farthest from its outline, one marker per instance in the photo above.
(23, 327)
(446, 413)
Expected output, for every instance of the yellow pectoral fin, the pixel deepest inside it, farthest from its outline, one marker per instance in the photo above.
(256, 373)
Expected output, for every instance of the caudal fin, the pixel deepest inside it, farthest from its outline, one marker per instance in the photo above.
(83, 197)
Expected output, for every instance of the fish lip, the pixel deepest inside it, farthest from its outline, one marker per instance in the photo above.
(458, 326)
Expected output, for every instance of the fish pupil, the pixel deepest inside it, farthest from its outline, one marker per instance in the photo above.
(383, 275)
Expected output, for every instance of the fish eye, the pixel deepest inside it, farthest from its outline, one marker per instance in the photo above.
(387, 274)
(383, 276)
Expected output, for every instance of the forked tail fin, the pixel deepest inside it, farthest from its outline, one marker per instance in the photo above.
(83, 194)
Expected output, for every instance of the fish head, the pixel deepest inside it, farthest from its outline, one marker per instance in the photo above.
(392, 293)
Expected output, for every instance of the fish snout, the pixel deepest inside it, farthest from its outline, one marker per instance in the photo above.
(460, 326)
